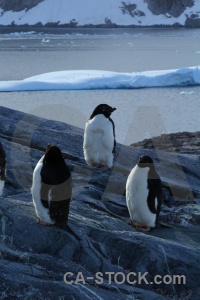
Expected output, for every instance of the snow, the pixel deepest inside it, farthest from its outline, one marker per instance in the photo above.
(90, 12)
(96, 79)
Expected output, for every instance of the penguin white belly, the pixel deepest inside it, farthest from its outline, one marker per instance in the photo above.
(41, 211)
(136, 197)
(2, 182)
(99, 141)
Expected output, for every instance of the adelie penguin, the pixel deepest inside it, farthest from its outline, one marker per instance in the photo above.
(99, 138)
(52, 189)
(2, 168)
(144, 194)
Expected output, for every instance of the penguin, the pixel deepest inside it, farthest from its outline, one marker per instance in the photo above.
(2, 168)
(144, 194)
(99, 138)
(52, 189)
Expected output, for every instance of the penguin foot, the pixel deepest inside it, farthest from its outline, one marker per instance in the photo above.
(96, 165)
(39, 221)
(140, 226)
(99, 166)
(104, 167)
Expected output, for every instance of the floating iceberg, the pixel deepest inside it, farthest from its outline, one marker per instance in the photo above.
(95, 79)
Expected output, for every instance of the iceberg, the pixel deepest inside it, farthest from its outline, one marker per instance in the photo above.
(97, 79)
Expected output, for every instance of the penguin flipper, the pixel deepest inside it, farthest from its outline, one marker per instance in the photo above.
(155, 194)
(41, 210)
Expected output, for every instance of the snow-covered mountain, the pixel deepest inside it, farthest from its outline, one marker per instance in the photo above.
(107, 13)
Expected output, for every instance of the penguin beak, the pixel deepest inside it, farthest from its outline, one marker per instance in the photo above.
(112, 109)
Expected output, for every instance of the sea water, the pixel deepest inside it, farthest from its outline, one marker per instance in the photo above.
(141, 113)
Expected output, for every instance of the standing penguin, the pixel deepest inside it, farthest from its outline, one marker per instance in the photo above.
(2, 168)
(144, 194)
(99, 138)
(52, 188)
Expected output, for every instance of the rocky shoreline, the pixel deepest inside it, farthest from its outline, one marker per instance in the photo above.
(181, 142)
(52, 27)
(34, 258)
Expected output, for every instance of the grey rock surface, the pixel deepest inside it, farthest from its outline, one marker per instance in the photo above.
(34, 258)
(172, 7)
(193, 21)
(181, 142)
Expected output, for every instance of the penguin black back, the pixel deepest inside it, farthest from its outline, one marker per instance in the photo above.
(56, 187)
(54, 170)
(154, 185)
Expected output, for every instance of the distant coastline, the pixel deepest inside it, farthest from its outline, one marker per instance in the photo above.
(67, 29)
(55, 26)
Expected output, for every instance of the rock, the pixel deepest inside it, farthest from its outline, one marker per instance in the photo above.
(197, 201)
(195, 211)
(193, 21)
(34, 258)
(178, 157)
(167, 197)
(181, 142)
(18, 5)
(131, 10)
(172, 7)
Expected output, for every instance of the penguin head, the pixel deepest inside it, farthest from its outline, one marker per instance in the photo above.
(145, 161)
(104, 109)
(53, 155)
